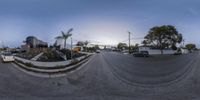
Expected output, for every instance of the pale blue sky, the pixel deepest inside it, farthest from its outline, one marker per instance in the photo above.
(104, 21)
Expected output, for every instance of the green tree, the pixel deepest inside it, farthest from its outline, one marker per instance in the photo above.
(96, 47)
(134, 48)
(165, 36)
(65, 36)
(85, 47)
(144, 42)
(122, 46)
(190, 46)
(80, 43)
(86, 43)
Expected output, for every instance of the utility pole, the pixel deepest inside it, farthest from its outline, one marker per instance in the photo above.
(71, 48)
(129, 42)
(2, 44)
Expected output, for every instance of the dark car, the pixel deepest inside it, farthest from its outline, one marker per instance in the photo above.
(141, 54)
(178, 53)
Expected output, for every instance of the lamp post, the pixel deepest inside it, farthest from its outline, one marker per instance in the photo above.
(183, 43)
(129, 42)
(71, 48)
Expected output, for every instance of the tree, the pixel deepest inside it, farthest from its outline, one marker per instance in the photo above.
(144, 42)
(96, 47)
(80, 43)
(122, 46)
(83, 44)
(65, 36)
(86, 43)
(134, 48)
(165, 36)
(190, 46)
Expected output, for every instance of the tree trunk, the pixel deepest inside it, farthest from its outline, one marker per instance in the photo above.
(65, 44)
(161, 51)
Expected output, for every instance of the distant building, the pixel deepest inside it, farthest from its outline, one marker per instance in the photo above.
(33, 42)
(77, 48)
(184, 50)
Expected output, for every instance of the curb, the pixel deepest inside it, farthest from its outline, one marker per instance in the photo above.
(51, 73)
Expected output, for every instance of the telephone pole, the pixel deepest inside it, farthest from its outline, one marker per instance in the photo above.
(129, 42)
(71, 49)
(183, 43)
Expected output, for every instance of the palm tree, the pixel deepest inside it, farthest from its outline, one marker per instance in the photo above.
(85, 45)
(65, 36)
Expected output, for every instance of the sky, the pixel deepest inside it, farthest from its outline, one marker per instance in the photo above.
(98, 21)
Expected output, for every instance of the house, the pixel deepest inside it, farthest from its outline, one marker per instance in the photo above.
(77, 48)
(184, 51)
(155, 51)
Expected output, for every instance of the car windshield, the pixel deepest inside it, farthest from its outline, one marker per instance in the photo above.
(100, 49)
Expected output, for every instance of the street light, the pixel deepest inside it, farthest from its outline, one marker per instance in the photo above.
(71, 48)
(183, 43)
(129, 42)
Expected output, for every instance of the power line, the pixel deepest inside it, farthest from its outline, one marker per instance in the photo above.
(139, 38)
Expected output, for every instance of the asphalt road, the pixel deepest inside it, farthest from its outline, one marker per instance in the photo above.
(110, 76)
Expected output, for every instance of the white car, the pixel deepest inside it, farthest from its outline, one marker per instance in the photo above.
(98, 51)
(7, 57)
(125, 52)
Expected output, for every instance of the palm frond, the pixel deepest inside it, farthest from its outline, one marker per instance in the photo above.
(59, 37)
(70, 30)
(68, 34)
(63, 34)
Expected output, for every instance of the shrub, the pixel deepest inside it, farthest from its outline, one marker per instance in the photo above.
(29, 64)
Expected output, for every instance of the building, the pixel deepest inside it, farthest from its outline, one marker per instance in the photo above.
(184, 51)
(77, 48)
(155, 51)
(33, 42)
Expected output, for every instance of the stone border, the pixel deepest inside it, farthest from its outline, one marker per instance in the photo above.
(47, 65)
(51, 72)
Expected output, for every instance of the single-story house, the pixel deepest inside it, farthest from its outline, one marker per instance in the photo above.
(155, 51)
(184, 50)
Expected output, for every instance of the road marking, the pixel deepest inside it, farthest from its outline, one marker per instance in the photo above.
(28, 72)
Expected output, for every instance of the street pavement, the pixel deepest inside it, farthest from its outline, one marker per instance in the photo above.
(110, 76)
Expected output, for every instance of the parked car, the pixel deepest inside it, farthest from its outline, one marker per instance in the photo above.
(2, 52)
(178, 53)
(7, 57)
(141, 54)
(125, 52)
(98, 51)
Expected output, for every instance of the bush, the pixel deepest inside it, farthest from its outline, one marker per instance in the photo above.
(67, 52)
(50, 56)
(29, 64)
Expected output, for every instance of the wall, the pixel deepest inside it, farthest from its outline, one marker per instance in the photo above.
(153, 52)
(156, 51)
(48, 64)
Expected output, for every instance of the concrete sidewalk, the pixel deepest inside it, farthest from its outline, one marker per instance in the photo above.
(38, 56)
